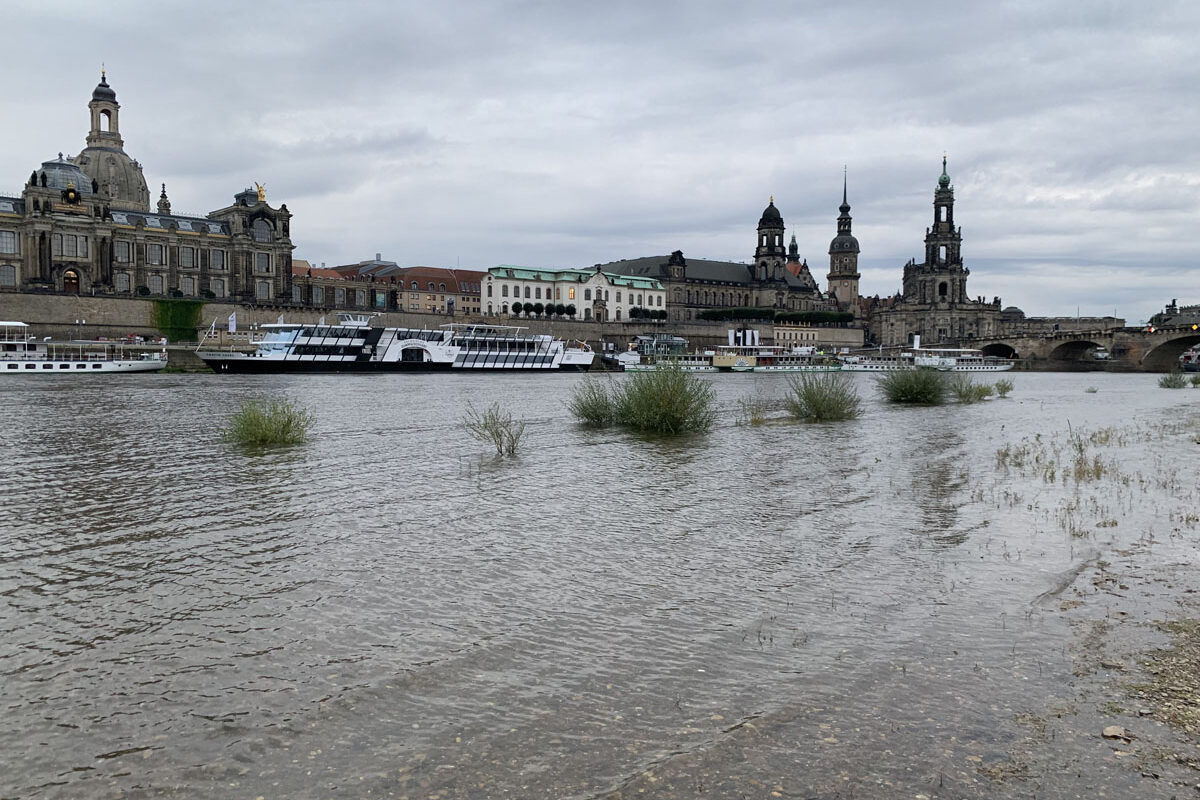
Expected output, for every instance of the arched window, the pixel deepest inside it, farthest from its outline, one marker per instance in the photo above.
(587, 312)
(431, 286)
(121, 281)
(8, 275)
(263, 290)
(504, 308)
(187, 286)
(318, 295)
(261, 230)
(297, 293)
(943, 288)
(489, 295)
(504, 290)
(106, 120)
(526, 292)
(216, 286)
(441, 287)
(587, 294)
(155, 284)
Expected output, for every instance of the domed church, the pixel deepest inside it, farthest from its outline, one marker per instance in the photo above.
(84, 225)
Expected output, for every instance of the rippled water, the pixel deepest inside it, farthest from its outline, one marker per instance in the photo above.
(389, 610)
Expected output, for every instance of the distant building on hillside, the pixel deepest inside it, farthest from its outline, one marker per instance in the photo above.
(387, 286)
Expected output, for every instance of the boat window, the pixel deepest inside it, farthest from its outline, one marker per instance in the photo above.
(12, 366)
(30, 366)
(95, 366)
(47, 366)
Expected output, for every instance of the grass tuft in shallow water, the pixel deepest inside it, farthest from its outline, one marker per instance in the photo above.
(1173, 380)
(822, 397)
(922, 387)
(269, 422)
(497, 427)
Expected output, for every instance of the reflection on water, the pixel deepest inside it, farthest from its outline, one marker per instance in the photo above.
(389, 609)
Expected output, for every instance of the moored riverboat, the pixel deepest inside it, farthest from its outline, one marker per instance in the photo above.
(943, 359)
(353, 345)
(1190, 360)
(652, 351)
(772, 359)
(23, 354)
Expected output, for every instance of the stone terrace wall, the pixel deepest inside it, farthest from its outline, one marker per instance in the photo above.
(55, 315)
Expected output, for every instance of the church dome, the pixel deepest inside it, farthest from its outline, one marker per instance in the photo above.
(103, 91)
(64, 174)
(771, 217)
(843, 243)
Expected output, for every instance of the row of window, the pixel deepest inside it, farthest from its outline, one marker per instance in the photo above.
(601, 294)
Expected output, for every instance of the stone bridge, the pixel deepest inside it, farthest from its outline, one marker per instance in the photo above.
(1144, 349)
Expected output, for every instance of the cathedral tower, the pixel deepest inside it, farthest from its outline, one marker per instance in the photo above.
(843, 258)
(942, 278)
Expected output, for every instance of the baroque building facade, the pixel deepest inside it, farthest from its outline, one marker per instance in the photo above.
(775, 278)
(84, 225)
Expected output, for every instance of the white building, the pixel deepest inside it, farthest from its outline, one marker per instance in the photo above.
(588, 294)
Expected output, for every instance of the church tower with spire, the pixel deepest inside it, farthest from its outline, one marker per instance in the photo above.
(117, 177)
(843, 274)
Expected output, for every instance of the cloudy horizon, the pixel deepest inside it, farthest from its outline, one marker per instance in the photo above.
(568, 134)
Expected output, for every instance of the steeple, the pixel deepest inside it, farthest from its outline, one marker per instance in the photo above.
(164, 205)
(793, 251)
(843, 255)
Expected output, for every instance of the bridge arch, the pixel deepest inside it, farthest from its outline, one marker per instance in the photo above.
(999, 350)
(1073, 350)
(1164, 356)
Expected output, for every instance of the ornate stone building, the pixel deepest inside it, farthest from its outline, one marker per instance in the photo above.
(83, 225)
(776, 278)
(933, 302)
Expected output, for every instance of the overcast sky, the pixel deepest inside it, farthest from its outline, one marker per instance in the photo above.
(564, 134)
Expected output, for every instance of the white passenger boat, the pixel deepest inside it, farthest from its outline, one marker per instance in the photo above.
(353, 345)
(768, 358)
(23, 354)
(652, 351)
(943, 359)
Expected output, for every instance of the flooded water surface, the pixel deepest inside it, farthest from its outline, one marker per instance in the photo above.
(877, 608)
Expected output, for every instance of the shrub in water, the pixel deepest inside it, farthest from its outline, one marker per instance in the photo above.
(1003, 387)
(496, 427)
(260, 422)
(1173, 380)
(754, 409)
(822, 397)
(668, 400)
(924, 387)
(966, 390)
(592, 404)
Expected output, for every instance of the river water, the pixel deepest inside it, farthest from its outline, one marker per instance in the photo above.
(861, 609)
